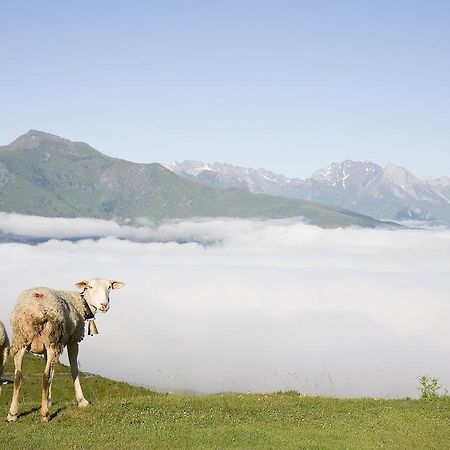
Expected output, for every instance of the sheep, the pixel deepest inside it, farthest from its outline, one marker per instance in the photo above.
(44, 321)
(4, 349)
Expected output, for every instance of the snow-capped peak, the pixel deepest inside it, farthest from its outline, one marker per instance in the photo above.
(341, 173)
(189, 167)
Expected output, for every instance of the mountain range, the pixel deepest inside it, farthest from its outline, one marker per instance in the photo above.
(389, 193)
(47, 175)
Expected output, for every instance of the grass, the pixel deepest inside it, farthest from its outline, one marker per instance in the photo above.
(127, 417)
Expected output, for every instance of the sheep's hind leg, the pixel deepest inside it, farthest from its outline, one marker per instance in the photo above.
(52, 373)
(72, 350)
(52, 357)
(14, 409)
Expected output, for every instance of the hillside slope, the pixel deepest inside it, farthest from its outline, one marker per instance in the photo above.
(43, 174)
(123, 417)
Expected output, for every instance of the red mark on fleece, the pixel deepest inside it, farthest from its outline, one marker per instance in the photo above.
(36, 295)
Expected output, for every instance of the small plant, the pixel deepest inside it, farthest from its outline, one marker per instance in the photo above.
(429, 387)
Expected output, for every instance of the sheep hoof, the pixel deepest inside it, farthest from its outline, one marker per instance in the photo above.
(11, 417)
(83, 403)
(45, 418)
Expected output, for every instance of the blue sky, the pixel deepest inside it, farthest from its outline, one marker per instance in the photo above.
(285, 85)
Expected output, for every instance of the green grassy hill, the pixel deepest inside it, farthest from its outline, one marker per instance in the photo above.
(126, 417)
(42, 174)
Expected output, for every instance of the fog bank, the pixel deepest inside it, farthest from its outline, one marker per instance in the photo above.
(270, 306)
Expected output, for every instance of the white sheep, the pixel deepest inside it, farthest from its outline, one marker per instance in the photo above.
(4, 349)
(44, 321)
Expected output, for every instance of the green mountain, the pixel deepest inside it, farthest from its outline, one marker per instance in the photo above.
(43, 174)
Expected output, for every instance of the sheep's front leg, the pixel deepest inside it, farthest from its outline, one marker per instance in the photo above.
(72, 350)
(52, 357)
(14, 409)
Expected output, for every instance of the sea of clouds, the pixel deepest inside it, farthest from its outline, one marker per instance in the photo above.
(242, 305)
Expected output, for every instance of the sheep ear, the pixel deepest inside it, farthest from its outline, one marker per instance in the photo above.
(81, 285)
(117, 284)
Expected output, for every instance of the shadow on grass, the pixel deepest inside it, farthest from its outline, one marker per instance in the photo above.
(28, 412)
(37, 408)
(56, 413)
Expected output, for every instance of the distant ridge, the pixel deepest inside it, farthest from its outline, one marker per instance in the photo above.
(389, 193)
(44, 174)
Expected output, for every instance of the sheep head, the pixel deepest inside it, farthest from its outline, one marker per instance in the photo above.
(96, 292)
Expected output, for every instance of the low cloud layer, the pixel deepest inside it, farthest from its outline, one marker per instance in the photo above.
(269, 306)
